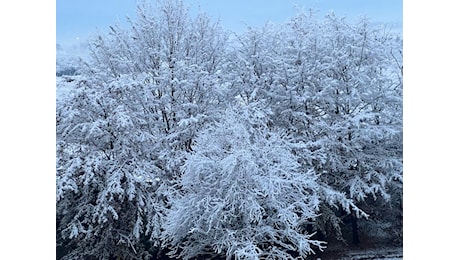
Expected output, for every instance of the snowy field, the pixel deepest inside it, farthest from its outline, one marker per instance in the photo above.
(374, 254)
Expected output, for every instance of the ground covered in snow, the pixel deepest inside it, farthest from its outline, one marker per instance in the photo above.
(364, 254)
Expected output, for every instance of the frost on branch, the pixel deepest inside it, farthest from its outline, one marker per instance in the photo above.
(124, 127)
(243, 195)
(336, 87)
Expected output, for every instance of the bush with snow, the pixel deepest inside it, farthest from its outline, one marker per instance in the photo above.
(243, 194)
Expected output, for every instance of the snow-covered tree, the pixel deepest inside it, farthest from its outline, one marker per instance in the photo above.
(107, 177)
(243, 194)
(127, 125)
(356, 95)
(337, 87)
(179, 59)
(68, 64)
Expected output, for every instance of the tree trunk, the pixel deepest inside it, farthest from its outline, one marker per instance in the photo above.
(354, 228)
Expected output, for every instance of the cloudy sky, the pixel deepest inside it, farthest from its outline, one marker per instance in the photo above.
(75, 20)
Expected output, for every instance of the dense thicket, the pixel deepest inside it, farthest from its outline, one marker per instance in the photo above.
(176, 140)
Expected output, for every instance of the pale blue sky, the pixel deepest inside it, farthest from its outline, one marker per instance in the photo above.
(76, 19)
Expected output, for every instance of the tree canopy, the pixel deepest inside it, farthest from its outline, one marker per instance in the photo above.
(177, 139)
